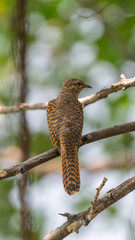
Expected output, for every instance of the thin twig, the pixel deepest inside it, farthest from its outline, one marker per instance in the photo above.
(121, 85)
(94, 203)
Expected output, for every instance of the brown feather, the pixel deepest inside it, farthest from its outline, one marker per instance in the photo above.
(65, 122)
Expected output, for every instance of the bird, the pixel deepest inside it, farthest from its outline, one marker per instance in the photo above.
(65, 123)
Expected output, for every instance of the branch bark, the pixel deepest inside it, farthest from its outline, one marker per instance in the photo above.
(46, 156)
(75, 222)
(121, 85)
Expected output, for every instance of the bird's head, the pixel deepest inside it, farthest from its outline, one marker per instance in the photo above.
(74, 85)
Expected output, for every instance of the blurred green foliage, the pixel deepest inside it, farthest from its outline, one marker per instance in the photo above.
(8, 213)
(36, 140)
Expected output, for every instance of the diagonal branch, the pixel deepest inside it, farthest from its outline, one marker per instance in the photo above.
(121, 85)
(75, 222)
(46, 156)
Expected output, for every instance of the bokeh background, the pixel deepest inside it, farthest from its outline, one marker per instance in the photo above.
(43, 43)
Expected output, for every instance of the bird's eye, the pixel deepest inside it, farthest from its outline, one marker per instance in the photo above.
(78, 84)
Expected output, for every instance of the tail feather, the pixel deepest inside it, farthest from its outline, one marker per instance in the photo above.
(70, 168)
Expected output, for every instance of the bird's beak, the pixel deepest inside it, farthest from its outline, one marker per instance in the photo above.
(87, 86)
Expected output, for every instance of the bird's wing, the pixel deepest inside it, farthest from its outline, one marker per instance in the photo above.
(52, 122)
(72, 124)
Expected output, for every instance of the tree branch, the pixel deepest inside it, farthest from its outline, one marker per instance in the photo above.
(121, 85)
(75, 222)
(46, 156)
(22, 107)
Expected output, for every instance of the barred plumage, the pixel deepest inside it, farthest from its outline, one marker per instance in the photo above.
(70, 168)
(65, 122)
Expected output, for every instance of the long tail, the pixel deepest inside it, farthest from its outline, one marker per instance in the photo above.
(70, 168)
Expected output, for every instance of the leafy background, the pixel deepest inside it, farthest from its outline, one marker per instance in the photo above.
(91, 40)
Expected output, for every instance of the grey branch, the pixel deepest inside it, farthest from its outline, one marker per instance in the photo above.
(121, 85)
(22, 107)
(53, 153)
(75, 222)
